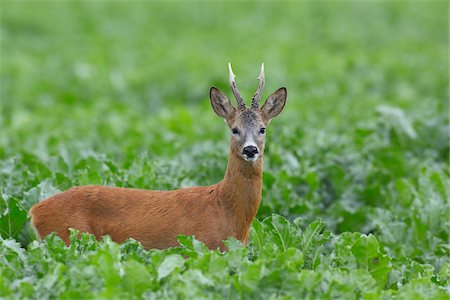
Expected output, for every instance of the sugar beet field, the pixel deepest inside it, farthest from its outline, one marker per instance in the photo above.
(355, 200)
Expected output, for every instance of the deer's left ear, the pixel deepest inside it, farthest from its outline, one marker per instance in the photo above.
(275, 103)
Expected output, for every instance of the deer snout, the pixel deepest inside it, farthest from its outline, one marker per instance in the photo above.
(250, 151)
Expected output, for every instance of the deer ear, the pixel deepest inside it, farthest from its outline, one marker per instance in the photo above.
(220, 103)
(275, 103)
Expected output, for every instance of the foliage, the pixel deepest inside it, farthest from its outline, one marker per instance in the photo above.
(278, 263)
(355, 168)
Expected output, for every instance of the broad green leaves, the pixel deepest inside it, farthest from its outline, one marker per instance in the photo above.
(417, 225)
(366, 251)
(358, 251)
(282, 260)
(362, 146)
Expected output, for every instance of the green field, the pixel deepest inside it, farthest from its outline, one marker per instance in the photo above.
(356, 178)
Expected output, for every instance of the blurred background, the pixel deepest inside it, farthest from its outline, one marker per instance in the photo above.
(117, 94)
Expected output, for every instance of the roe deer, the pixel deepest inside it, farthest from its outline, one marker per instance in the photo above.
(210, 213)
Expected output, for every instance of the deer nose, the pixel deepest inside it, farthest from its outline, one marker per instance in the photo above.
(250, 151)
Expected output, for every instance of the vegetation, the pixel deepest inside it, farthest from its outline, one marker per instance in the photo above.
(356, 180)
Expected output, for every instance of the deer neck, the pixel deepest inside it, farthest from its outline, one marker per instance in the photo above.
(241, 191)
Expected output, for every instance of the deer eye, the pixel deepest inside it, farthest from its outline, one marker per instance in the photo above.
(235, 131)
(262, 130)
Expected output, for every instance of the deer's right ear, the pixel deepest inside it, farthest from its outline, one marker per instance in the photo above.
(220, 103)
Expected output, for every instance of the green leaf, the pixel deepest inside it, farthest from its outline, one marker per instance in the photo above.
(258, 236)
(169, 265)
(284, 233)
(397, 119)
(248, 279)
(12, 220)
(366, 251)
(233, 244)
(312, 241)
(136, 278)
(190, 246)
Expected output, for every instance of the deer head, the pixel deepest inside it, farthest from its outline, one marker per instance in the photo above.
(248, 124)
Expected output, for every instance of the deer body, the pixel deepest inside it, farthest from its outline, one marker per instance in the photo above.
(211, 213)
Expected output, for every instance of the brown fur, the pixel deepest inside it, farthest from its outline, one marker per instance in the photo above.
(211, 213)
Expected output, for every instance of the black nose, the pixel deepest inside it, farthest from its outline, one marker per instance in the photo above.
(250, 151)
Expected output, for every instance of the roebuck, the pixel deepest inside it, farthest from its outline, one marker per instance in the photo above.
(211, 213)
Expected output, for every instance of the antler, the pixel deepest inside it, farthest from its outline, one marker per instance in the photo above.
(255, 99)
(240, 101)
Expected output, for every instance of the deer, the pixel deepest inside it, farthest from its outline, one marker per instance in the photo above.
(155, 218)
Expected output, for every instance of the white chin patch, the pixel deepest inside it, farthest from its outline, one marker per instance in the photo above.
(254, 158)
